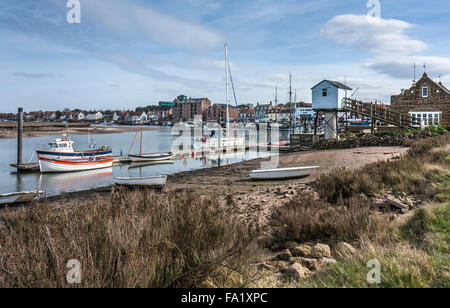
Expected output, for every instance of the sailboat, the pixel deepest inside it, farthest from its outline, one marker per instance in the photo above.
(149, 157)
(220, 140)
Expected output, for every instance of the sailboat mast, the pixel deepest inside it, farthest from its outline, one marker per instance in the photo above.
(142, 131)
(290, 102)
(226, 84)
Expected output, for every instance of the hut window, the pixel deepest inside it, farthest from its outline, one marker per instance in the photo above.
(324, 92)
(425, 92)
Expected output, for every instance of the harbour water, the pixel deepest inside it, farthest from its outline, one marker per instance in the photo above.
(53, 184)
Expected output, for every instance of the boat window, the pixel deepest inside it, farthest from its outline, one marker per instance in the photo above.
(63, 145)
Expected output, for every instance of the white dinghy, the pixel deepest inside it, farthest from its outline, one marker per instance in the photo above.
(20, 197)
(150, 181)
(282, 173)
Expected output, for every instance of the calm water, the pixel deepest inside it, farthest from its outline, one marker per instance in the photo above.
(54, 184)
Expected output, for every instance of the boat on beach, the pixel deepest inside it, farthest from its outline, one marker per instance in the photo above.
(72, 165)
(282, 173)
(62, 148)
(150, 181)
(20, 197)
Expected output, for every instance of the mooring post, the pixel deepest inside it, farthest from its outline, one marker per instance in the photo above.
(19, 135)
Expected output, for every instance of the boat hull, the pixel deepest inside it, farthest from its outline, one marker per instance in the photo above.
(73, 155)
(153, 181)
(151, 157)
(286, 173)
(53, 165)
(19, 197)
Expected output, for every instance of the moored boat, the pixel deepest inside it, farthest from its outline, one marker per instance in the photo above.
(20, 197)
(282, 173)
(151, 157)
(150, 181)
(71, 165)
(62, 148)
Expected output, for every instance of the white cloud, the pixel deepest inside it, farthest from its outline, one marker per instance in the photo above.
(131, 20)
(402, 67)
(372, 33)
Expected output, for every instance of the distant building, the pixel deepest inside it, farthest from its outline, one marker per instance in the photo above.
(97, 116)
(246, 114)
(135, 117)
(426, 100)
(218, 113)
(187, 108)
(167, 104)
(79, 116)
(261, 112)
(329, 95)
(304, 111)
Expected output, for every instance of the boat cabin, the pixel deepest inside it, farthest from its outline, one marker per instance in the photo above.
(61, 145)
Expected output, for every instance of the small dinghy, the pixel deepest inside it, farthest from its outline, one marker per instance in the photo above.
(150, 181)
(151, 157)
(57, 165)
(282, 173)
(20, 197)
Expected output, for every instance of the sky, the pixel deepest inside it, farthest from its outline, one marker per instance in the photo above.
(126, 54)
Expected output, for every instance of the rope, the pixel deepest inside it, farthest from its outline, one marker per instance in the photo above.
(32, 156)
(132, 144)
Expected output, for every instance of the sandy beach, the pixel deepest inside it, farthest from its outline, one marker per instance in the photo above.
(36, 130)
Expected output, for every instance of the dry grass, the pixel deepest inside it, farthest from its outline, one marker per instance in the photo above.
(137, 239)
(307, 219)
(408, 174)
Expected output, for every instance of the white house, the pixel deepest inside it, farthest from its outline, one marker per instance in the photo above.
(116, 117)
(329, 95)
(136, 117)
(79, 116)
(94, 116)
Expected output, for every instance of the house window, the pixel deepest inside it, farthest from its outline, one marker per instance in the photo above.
(431, 118)
(324, 92)
(425, 92)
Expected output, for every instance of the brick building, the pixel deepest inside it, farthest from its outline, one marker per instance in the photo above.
(426, 100)
(187, 108)
(218, 112)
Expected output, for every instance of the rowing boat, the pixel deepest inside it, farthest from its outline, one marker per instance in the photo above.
(20, 197)
(150, 181)
(151, 157)
(282, 173)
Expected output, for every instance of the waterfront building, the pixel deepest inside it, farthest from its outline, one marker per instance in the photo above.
(187, 108)
(426, 100)
(261, 112)
(329, 95)
(218, 113)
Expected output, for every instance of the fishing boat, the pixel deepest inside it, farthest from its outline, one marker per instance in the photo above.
(62, 148)
(20, 197)
(71, 165)
(150, 181)
(282, 173)
(153, 157)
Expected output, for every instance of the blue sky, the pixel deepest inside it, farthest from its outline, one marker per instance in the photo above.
(132, 53)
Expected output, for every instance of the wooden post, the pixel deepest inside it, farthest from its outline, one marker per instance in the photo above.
(372, 118)
(316, 118)
(19, 135)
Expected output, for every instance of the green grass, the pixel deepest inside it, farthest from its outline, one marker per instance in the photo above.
(416, 257)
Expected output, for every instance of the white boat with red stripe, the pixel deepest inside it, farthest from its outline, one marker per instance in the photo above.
(72, 165)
